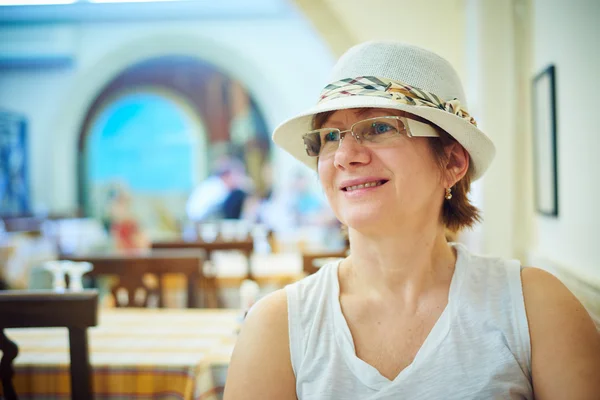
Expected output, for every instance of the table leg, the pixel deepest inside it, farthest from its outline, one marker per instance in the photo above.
(81, 370)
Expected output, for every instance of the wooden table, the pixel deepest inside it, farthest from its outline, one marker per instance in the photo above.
(245, 246)
(134, 353)
(131, 266)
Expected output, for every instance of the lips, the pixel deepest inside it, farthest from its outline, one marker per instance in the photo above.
(350, 186)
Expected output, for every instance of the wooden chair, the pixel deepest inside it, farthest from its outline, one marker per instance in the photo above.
(245, 246)
(132, 289)
(311, 259)
(76, 311)
(209, 283)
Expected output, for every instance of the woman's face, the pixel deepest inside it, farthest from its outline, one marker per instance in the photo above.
(404, 181)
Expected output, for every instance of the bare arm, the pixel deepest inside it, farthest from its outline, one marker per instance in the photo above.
(565, 344)
(260, 366)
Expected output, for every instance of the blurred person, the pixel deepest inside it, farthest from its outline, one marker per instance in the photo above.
(315, 225)
(407, 314)
(295, 206)
(206, 198)
(266, 176)
(305, 203)
(258, 201)
(233, 204)
(221, 195)
(124, 228)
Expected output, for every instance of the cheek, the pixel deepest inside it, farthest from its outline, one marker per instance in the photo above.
(423, 174)
(326, 172)
(413, 166)
(423, 156)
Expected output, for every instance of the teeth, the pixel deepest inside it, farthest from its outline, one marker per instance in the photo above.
(363, 185)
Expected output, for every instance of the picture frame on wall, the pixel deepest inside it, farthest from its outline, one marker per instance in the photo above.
(545, 142)
(14, 173)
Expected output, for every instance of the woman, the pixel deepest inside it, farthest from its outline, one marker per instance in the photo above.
(407, 314)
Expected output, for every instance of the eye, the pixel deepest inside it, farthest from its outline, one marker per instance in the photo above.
(331, 136)
(381, 127)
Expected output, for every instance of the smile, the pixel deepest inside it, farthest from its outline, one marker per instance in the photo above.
(363, 185)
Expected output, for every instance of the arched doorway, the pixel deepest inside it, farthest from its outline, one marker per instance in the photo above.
(181, 105)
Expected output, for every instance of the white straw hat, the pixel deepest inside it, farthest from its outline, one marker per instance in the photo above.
(396, 76)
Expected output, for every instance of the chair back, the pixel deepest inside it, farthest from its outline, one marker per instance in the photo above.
(245, 246)
(75, 311)
(140, 274)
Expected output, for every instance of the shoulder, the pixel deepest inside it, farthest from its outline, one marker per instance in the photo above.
(272, 307)
(562, 333)
(490, 282)
(260, 365)
(547, 300)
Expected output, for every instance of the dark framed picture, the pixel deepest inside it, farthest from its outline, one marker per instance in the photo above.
(544, 142)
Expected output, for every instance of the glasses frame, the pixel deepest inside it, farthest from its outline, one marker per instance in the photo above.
(413, 128)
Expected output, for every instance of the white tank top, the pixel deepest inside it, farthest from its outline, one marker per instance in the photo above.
(478, 349)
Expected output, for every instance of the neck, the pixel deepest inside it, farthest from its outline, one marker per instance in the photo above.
(399, 266)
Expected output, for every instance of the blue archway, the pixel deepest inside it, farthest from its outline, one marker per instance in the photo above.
(146, 141)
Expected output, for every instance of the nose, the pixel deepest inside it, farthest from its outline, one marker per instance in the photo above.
(350, 152)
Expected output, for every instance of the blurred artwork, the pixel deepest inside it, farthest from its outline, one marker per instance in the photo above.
(14, 192)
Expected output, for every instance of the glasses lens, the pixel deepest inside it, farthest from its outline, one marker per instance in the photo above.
(312, 143)
(378, 129)
(321, 141)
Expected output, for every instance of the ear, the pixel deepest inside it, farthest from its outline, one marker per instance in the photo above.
(457, 164)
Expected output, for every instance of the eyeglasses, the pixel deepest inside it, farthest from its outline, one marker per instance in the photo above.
(371, 132)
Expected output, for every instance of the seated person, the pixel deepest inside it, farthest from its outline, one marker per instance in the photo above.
(408, 315)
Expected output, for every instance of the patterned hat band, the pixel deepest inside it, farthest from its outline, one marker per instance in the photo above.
(393, 90)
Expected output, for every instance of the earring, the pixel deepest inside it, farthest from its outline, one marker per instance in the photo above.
(448, 195)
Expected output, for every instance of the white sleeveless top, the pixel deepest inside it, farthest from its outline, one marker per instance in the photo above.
(478, 349)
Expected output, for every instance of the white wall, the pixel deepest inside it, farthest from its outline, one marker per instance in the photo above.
(493, 70)
(38, 96)
(280, 60)
(566, 34)
(432, 24)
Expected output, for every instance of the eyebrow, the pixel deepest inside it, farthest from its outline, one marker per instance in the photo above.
(360, 113)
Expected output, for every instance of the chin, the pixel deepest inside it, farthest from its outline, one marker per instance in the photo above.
(365, 220)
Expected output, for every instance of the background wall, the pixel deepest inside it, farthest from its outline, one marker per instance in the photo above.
(274, 56)
(436, 25)
(566, 35)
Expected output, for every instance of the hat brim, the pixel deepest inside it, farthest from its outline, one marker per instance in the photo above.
(288, 135)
